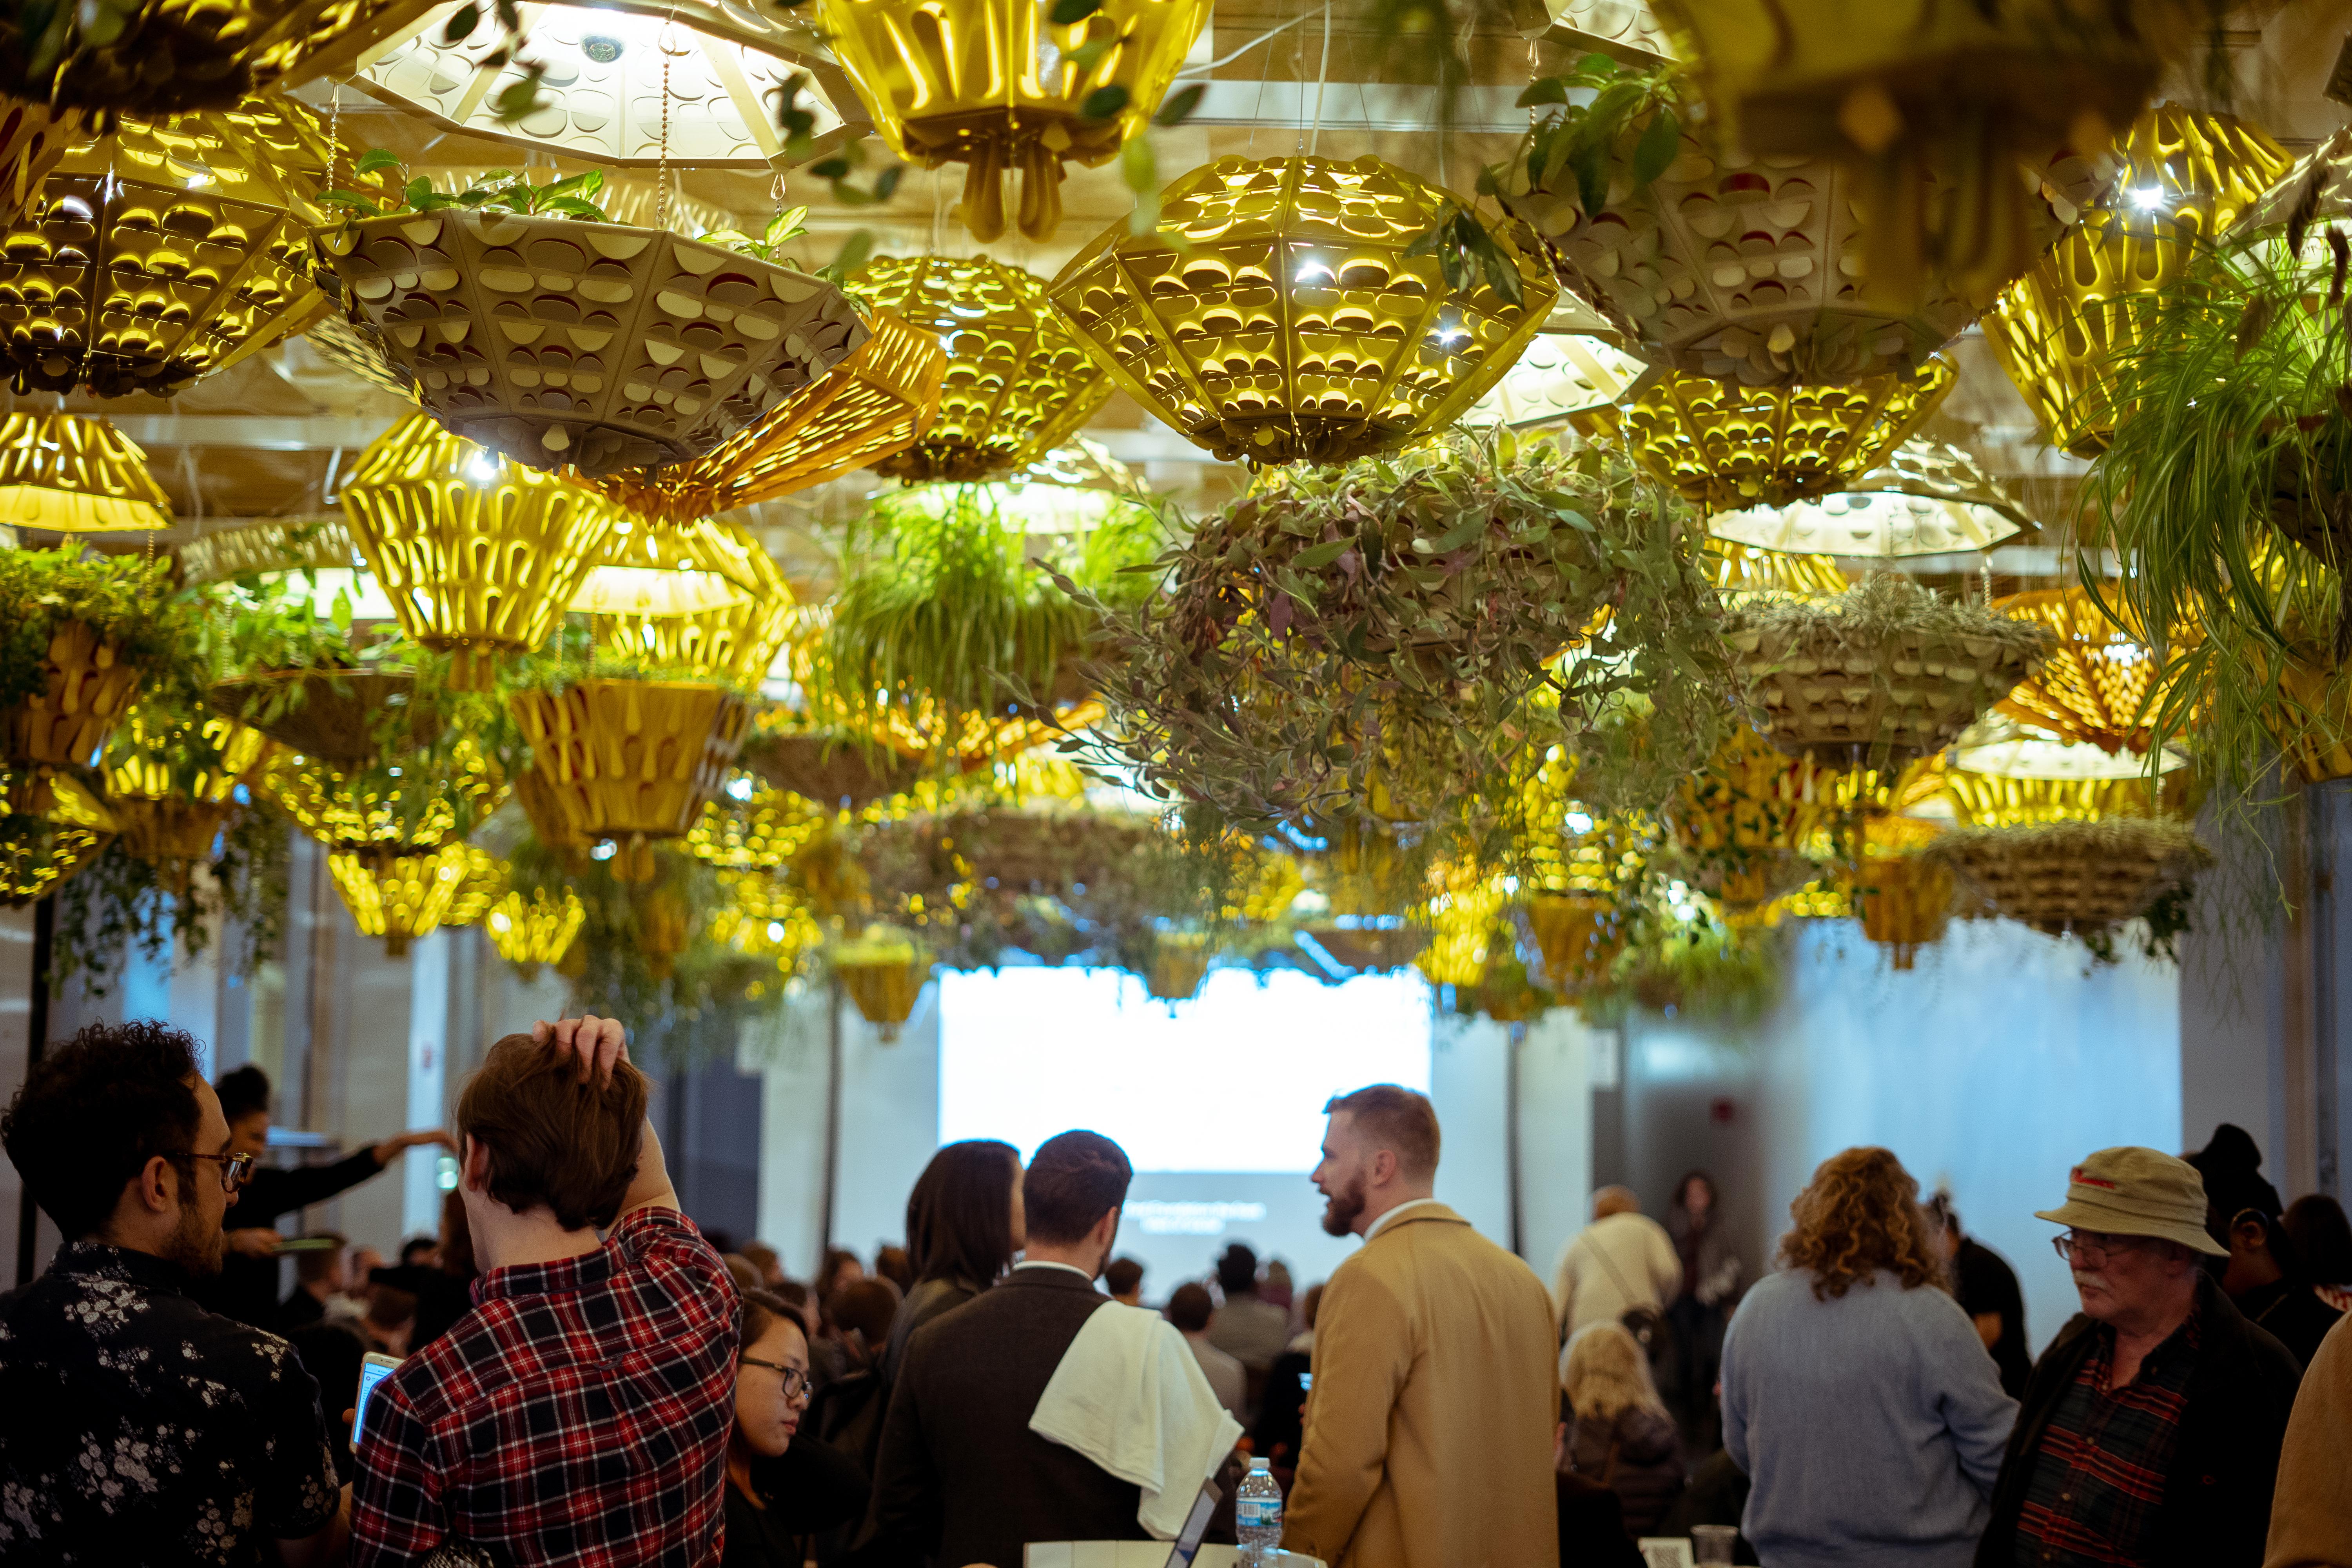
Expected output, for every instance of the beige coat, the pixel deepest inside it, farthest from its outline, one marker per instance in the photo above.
(2311, 1512)
(1429, 1431)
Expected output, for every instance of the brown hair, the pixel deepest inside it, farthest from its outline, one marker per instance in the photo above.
(1861, 1214)
(761, 1310)
(552, 1139)
(1074, 1180)
(1190, 1308)
(311, 1267)
(1397, 1119)
(865, 1305)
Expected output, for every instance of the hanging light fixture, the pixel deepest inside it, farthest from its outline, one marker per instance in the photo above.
(736, 642)
(165, 250)
(479, 556)
(2095, 685)
(1017, 382)
(1928, 499)
(1727, 447)
(648, 568)
(537, 930)
(399, 894)
(33, 140)
(1278, 310)
(1558, 374)
(1000, 86)
(72, 474)
(2063, 329)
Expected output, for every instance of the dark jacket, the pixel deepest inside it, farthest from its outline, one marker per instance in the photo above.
(246, 1287)
(2291, 1313)
(1639, 1456)
(808, 1489)
(962, 1478)
(2217, 1501)
(1984, 1282)
(1592, 1525)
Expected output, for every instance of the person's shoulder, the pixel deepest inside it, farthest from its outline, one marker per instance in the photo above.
(475, 1358)
(657, 1231)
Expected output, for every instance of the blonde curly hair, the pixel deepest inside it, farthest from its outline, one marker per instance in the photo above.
(1604, 1372)
(1860, 1215)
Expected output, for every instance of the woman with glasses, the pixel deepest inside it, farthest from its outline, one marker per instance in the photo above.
(778, 1491)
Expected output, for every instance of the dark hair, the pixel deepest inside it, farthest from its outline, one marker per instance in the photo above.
(1075, 1179)
(722, 1241)
(892, 1263)
(761, 1310)
(2323, 1235)
(1189, 1307)
(2231, 1164)
(389, 1306)
(1939, 1210)
(1123, 1274)
(960, 1215)
(1682, 1188)
(867, 1305)
(828, 1273)
(243, 1090)
(1310, 1304)
(93, 1111)
(1398, 1119)
(795, 1293)
(413, 1245)
(552, 1138)
(1237, 1271)
(314, 1266)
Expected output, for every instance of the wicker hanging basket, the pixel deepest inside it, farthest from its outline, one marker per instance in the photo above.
(882, 977)
(2080, 877)
(1581, 935)
(1904, 902)
(1365, 947)
(828, 769)
(598, 345)
(84, 692)
(627, 760)
(333, 716)
(1179, 962)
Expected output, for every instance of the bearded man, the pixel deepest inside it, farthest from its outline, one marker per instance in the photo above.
(1429, 1432)
(135, 1426)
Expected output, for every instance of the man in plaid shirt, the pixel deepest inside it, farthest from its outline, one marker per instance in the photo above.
(579, 1413)
(2151, 1428)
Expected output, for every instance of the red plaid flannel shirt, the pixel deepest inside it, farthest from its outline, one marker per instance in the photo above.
(2098, 1479)
(578, 1415)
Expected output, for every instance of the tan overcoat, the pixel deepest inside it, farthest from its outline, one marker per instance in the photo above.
(2311, 1512)
(1429, 1429)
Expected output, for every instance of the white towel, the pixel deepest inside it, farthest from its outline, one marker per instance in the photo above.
(1130, 1395)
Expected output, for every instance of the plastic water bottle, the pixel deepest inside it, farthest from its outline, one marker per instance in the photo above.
(1257, 1515)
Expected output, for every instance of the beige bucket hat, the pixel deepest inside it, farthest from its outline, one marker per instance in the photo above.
(2138, 1192)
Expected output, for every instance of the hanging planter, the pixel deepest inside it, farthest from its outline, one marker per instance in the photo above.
(1365, 947)
(170, 781)
(1741, 824)
(558, 340)
(1002, 86)
(863, 412)
(1283, 311)
(626, 761)
(38, 856)
(736, 642)
(537, 930)
(2074, 876)
(34, 137)
(1904, 899)
(1928, 499)
(336, 716)
(478, 891)
(1886, 671)
(832, 770)
(67, 474)
(1017, 381)
(399, 894)
(479, 557)
(1581, 935)
(883, 972)
(1728, 448)
(165, 251)
(84, 634)
(2061, 330)
(1179, 963)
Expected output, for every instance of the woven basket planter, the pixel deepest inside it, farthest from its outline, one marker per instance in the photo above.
(1179, 962)
(2061, 876)
(334, 719)
(1365, 947)
(828, 769)
(628, 760)
(884, 986)
(594, 345)
(1905, 903)
(1581, 935)
(85, 693)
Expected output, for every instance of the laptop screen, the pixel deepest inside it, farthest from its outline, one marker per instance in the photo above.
(1196, 1525)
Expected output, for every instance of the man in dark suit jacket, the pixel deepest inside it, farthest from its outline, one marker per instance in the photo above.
(961, 1478)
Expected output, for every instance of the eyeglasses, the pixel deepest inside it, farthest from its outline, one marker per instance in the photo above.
(796, 1381)
(235, 1168)
(2092, 1248)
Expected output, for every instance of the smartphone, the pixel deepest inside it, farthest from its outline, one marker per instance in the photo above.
(1306, 1383)
(373, 1368)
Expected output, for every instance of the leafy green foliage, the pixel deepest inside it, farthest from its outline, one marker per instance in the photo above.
(1698, 971)
(126, 599)
(494, 190)
(788, 225)
(1396, 634)
(121, 902)
(574, 655)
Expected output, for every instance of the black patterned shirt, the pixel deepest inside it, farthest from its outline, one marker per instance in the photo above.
(136, 1427)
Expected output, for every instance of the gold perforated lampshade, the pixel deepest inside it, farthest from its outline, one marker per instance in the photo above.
(1975, 798)
(1273, 314)
(762, 833)
(1017, 381)
(627, 760)
(874, 403)
(483, 884)
(649, 568)
(1904, 902)
(1742, 821)
(85, 691)
(1727, 447)
(399, 894)
(997, 86)
(535, 929)
(174, 56)
(39, 855)
(75, 475)
(165, 251)
(170, 781)
(1558, 374)
(479, 556)
(2095, 681)
(736, 642)
(1929, 498)
(341, 808)
(33, 138)
(2062, 330)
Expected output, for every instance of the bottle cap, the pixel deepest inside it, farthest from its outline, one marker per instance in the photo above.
(1261, 1463)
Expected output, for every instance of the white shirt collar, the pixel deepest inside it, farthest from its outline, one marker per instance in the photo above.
(1381, 1223)
(1073, 1268)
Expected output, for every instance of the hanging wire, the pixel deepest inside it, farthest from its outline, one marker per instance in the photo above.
(1322, 75)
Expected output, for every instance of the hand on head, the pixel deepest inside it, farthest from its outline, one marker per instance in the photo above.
(597, 1042)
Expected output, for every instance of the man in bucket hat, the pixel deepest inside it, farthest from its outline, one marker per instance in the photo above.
(2150, 1431)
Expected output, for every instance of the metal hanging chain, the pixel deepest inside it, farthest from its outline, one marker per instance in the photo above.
(661, 165)
(334, 133)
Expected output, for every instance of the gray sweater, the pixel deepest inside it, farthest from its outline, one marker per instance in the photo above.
(1872, 1425)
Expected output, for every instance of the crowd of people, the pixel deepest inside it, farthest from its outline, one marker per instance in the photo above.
(585, 1375)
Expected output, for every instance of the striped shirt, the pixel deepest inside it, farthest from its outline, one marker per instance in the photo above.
(2099, 1474)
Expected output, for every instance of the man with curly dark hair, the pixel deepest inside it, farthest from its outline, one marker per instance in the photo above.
(1857, 1396)
(135, 1426)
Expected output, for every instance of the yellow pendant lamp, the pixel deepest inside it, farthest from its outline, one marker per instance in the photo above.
(72, 474)
(999, 87)
(649, 568)
(480, 557)
(2062, 330)
(1928, 499)
(2094, 685)
(399, 894)
(537, 930)
(1277, 311)
(1017, 382)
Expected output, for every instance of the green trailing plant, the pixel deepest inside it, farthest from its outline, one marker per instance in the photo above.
(120, 903)
(1694, 970)
(1401, 633)
(127, 600)
(768, 244)
(494, 190)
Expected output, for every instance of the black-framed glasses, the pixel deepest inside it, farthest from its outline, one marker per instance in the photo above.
(235, 1168)
(796, 1379)
(2092, 1248)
